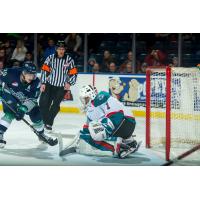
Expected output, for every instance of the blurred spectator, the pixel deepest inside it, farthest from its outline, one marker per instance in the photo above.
(143, 68)
(40, 53)
(155, 58)
(107, 59)
(112, 68)
(96, 68)
(128, 60)
(28, 57)
(174, 62)
(3, 55)
(51, 49)
(73, 42)
(129, 68)
(8, 51)
(91, 63)
(1, 65)
(20, 51)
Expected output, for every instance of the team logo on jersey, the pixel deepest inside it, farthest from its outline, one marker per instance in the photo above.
(28, 88)
(4, 72)
(15, 84)
(100, 97)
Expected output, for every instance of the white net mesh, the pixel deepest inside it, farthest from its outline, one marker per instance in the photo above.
(185, 108)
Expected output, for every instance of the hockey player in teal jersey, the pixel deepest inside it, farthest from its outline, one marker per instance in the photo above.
(107, 120)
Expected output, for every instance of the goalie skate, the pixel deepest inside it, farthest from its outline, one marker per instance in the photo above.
(130, 150)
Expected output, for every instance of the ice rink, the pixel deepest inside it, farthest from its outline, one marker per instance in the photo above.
(22, 146)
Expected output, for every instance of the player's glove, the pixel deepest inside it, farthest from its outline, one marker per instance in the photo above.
(21, 111)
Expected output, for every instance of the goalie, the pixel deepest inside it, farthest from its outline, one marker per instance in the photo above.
(109, 125)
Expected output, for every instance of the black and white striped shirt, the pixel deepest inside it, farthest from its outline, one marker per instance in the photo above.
(58, 71)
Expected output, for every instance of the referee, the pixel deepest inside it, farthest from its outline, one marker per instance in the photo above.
(58, 74)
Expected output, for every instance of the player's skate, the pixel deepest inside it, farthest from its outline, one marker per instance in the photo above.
(47, 139)
(2, 141)
(48, 129)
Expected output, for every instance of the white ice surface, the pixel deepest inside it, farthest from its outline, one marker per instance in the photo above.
(22, 146)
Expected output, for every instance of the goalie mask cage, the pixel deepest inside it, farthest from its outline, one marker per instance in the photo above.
(172, 109)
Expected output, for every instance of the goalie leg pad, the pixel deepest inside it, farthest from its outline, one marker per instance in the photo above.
(101, 145)
(89, 148)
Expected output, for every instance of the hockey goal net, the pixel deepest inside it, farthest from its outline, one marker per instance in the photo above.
(172, 109)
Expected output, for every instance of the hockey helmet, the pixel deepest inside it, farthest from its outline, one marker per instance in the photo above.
(88, 91)
(29, 68)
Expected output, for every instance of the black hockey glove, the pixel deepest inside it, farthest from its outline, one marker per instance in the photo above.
(21, 111)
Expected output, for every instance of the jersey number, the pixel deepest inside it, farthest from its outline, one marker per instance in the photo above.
(108, 107)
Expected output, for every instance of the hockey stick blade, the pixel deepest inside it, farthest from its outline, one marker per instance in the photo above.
(185, 154)
(71, 148)
(68, 151)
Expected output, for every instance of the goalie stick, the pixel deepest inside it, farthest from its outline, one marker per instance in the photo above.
(70, 148)
(46, 139)
(185, 154)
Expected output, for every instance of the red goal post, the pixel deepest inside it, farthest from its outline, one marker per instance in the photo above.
(172, 108)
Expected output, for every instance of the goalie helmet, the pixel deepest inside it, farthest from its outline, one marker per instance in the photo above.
(89, 92)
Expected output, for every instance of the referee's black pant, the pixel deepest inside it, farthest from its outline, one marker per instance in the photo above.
(49, 103)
